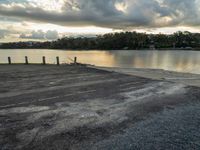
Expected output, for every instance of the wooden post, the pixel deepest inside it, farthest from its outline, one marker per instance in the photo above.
(43, 60)
(57, 60)
(75, 60)
(9, 61)
(26, 60)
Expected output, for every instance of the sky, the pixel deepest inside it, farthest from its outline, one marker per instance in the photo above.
(40, 20)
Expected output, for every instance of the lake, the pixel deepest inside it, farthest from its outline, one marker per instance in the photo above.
(180, 61)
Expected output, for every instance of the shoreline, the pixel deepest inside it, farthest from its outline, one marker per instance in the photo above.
(157, 74)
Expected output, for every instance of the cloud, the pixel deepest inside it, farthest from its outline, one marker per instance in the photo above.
(3, 33)
(40, 35)
(116, 14)
(51, 35)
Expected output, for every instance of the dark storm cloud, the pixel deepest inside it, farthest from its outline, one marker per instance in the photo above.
(105, 13)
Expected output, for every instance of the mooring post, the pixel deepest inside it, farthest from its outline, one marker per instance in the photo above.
(9, 61)
(57, 60)
(26, 60)
(75, 60)
(43, 60)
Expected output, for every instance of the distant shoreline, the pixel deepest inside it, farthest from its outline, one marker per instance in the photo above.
(119, 40)
(166, 49)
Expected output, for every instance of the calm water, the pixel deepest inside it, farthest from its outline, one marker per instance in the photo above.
(181, 61)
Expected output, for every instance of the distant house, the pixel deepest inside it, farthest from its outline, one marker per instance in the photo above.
(152, 47)
(188, 48)
(125, 48)
(30, 44)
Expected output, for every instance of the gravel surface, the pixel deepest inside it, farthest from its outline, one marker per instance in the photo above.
(73, 107)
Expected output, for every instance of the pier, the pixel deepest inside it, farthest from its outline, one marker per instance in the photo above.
(43, 61)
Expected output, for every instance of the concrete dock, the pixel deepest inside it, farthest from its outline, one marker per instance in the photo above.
(73, 107)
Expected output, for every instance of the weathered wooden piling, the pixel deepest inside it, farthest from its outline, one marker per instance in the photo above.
(26, 60)
(9, 61)
(75, 60)
(57, 61)
(43, 60)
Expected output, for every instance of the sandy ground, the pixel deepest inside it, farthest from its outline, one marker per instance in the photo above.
(72, 107)
(184, 78)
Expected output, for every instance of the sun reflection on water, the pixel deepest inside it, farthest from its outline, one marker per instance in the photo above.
(181, 61)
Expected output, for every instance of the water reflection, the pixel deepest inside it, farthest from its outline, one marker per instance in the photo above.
(182, 61)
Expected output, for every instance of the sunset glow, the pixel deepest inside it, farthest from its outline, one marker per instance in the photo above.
(22, 18)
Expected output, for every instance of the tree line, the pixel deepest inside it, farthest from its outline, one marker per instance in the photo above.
(117, 41)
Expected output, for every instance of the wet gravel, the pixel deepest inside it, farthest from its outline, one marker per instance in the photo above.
(75, 107)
